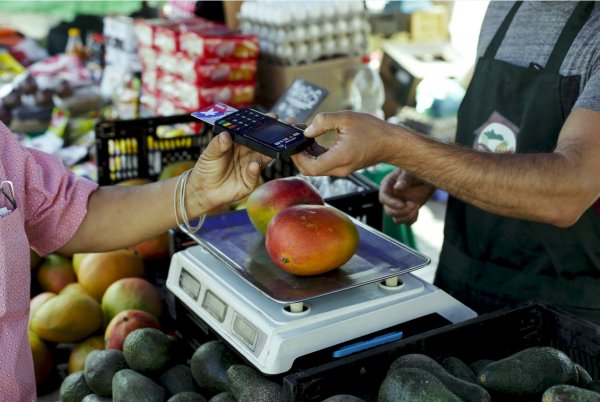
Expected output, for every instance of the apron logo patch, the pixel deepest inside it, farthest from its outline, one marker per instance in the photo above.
(497, 135)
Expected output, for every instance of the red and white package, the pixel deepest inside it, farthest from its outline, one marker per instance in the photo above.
(167, 37)
(214, 74)
(219, 44)
(191, 96)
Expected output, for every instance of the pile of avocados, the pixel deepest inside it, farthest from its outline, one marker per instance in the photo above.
(150, 368)
(540, 373)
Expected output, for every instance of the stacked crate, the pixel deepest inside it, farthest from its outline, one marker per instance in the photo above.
(192, 63)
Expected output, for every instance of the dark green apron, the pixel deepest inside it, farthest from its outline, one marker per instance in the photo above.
(488, 261)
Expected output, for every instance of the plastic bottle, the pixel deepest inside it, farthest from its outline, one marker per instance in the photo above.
(366, 90)
(75, 44)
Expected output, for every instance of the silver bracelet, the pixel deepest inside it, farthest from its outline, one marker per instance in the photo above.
(175, 200)
(190, 228)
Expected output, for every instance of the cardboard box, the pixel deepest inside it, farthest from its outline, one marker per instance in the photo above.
(333, 74)
(404, 65)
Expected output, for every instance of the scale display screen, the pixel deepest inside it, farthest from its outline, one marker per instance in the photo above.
(245, 331)
(215, 306)
(231, 238)
(189, 284)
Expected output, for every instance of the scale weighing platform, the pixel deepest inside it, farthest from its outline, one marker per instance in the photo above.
(272, 317)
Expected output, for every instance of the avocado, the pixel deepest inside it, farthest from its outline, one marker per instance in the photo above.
(569, 393)
(459, 369)
(209, 365)
(129, 385)
(95, 398)
(74, 387)
(530, 371)
(583, 377)
(177, 379)
(187, 397)
(223, 397)
(147, 350)
(477, 365)
(463, 389)
(410, 384)
(343, 398)
(99, 368)
(248, 385)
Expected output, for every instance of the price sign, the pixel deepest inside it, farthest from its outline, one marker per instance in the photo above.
(300, 100)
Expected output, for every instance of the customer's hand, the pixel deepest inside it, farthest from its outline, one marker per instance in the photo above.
(361, 140)
(225, 172)
(402, 195)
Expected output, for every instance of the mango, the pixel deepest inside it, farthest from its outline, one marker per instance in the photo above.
(97, 271)
(55, 272)
(36, 302)
(124, 323)
(68, 317)
(155, 248)
(42, 358)
(131, 293)
(81, 350)
(311, 239)
(275, 195)
(174, 169)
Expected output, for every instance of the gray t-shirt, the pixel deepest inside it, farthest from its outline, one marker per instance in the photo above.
(532, 35)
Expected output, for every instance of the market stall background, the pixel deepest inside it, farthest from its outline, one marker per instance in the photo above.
(116, 109)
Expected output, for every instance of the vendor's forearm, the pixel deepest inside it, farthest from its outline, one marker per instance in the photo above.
(542, 187)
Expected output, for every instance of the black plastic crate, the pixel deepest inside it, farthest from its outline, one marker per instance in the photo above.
(128, 149)
(490, 336)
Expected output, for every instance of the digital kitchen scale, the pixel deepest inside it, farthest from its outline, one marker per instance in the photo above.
(272, 317)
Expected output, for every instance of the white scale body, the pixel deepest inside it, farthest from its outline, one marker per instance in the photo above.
(270, 336)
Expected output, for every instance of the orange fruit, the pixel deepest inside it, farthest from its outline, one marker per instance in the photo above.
(55, 272)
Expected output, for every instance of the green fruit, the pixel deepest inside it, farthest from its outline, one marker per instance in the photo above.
(96, 398)
(569, 393)
(465, 390)
(209, 365)
(147, 349)
(223, 397)
(99, 368)
(414, 385)
(343, 398)
(187, 397)
(459, 369)
(129, 385)
(178, 379)
(248, 385)
(530, 371)
(74, 388)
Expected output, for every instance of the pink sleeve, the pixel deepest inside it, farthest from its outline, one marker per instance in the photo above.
(52, 199)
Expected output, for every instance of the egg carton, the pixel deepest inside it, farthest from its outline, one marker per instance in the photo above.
(305, 32)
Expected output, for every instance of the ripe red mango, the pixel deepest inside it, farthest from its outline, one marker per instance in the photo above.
(125, 322)
(311, 239)
(131, 294)
(275, 195)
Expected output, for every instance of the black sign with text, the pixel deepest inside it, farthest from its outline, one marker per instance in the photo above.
(300, 100)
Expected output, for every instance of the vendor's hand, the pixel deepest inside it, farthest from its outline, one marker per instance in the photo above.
(360, 142)
(225, 172)
(402, 195)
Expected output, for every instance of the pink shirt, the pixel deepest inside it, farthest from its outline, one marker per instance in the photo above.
(51, 203)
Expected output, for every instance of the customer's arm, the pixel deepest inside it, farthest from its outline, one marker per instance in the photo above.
(119, 216)
(555, 188)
